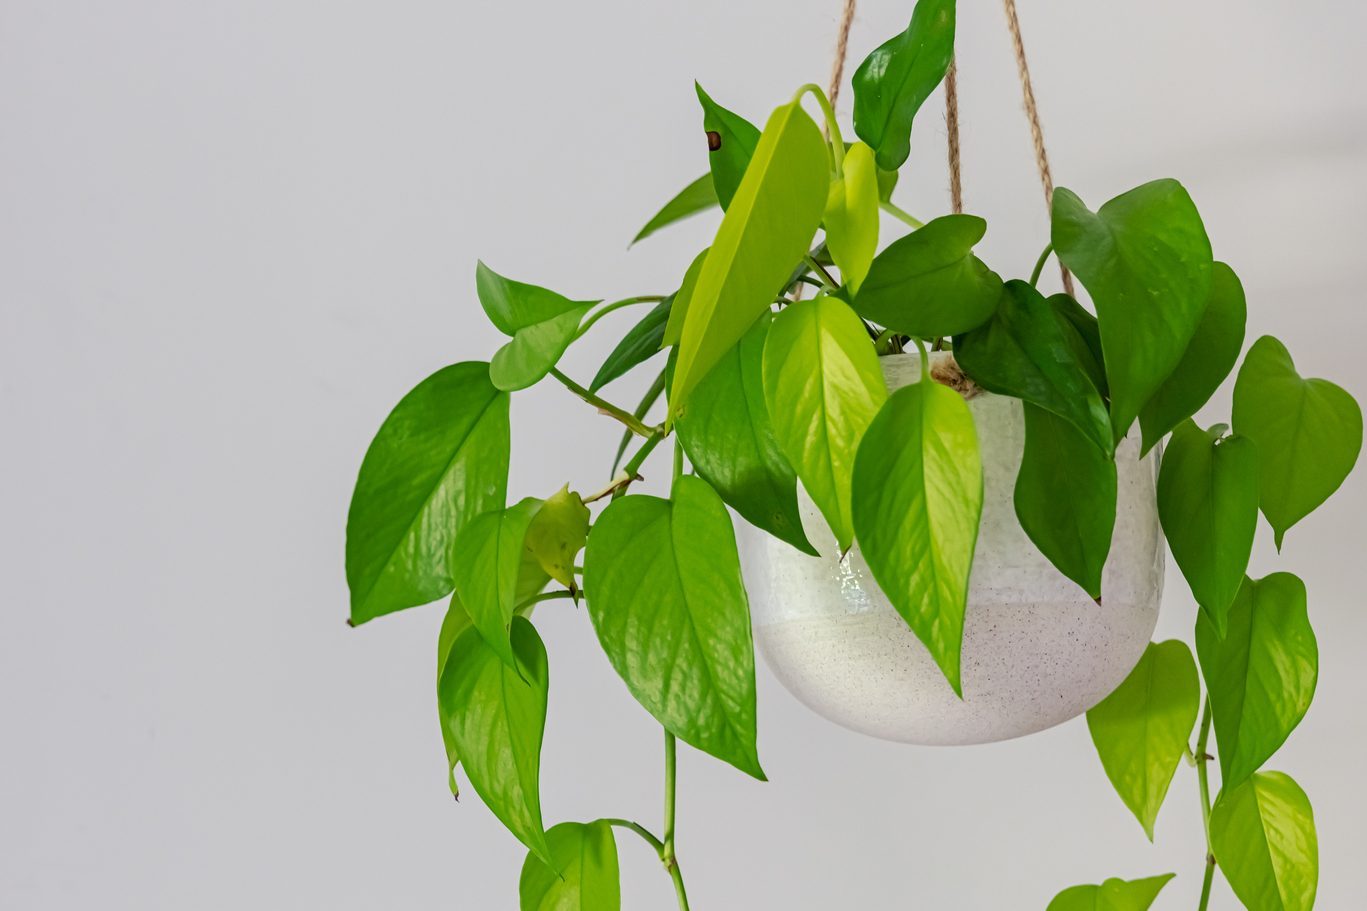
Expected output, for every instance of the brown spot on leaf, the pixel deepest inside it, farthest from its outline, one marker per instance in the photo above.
(713, 140)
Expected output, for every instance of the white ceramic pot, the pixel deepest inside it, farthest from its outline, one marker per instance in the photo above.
(1036, 650)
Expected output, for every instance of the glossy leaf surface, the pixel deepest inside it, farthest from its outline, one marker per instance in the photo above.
(918, 489)
(439, 459)
(895, 80)
(486, 561)
(1211, 355)
(495, 716)
(1028, 351)
(1085, 340)
(1065, 497)
(583, 874)
(1308, 433)
(1141, 730)
(698, 196)
(557, 533)
(1264, 837)
(1208, 504)
(1146, 260)
(642, 342)
(542, 325)
(929, 283)
(1112, 895)
(730, 441)
(1261, 675)
(766, 230)
(851, 217)
(822, 385)
(735, 141)
(664, 592)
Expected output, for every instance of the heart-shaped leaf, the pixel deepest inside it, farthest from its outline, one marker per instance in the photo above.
(664, 590)
(929, 283)
(895, 80)
(1065, 497)
(1146, 260)
(542, 325)
(1261, 675)
(642, 342)
(851, 217)
(1263, 833)
(1141, 729)
(496, 715)
(1309, 433)
(823, 385)
(557, 533)
(918, 491)
(439, 459)
(486, 560)
(1211, 355)
(766, 230)
(731, 143)
(699, 196)
(1208, 504)
(1112, 895)
(1029, 351)
(583, 873)
(730, 441)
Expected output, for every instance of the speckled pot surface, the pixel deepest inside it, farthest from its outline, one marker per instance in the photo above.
(1037, 650)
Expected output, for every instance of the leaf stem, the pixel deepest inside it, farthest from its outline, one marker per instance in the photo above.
(650, 839)
(1039, 265)
(667, 855)
(628, 474)
(615, 305)
(837, 143)
(898, 213)
(827, 280)
(544, 596)
(1203, 779)
(604, 406)
(925, 359)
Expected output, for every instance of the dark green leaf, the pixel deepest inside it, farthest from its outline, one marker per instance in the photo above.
(664, 590)
(1261, 675)
(1141, 729)
(851, 218)
(822, 385)
(439, 459)
(1085, 340)
(1027, 351)
(730, 151)
(1212, 354)
(764, 233)
(1309, 433)
(730, 441)
(929, 283)
(486, 561)
(639, 345)
(1065, 497)
(697, 197)
(583, 875)
(895, 80)
(1208, 504)
(918, 492)
(557, 533)
(542, 325)
(1263, 833)
(1112, 895)
(496, 716)
(1146, 261)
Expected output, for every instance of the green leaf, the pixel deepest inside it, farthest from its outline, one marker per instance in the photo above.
(1261, 675)
(918, 493)
(453, 624)
(557, 533)
(730, 441)
(730, 150)
(851, 217)
(1112, 895)
(486, 560)
(1065, 497)
(698, 196)
(1208, 504)
(439, 459)
(642, 342)
(764, 233)
(822, 385)
(929, 283)
(1308, 432)
(583, 875)
(1211, 355)
(1029, 351)
(1085, 340)
(1141, 729)
(678, 311)
(664, 590)
(895, 80)
(1145, 259)
(1263, 833)
(542, 325)
(496, 716)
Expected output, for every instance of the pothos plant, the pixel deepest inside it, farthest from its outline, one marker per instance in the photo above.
(766, 389)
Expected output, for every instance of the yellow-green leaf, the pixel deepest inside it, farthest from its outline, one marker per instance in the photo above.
(583, 875)
(1112, 895)
(851, 217)
(557, 533)
(1263, 833)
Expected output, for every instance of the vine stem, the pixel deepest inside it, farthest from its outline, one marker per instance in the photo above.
(901, 215)
(837, 144)
(1039, 265)
(615, 305)
(827, 280)
(621, 414)
(1203, 779)
(667, 855)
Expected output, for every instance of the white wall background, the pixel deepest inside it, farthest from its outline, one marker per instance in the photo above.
(232, 234)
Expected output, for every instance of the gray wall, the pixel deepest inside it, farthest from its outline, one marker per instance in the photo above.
(233, 234)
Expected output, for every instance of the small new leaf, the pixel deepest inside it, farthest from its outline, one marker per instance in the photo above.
(557, 533)
(583, 873)
(851, 217)
(1112, 895)
(542, 325)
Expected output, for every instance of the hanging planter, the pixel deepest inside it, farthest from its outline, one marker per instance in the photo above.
(960, 542)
